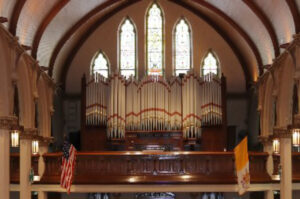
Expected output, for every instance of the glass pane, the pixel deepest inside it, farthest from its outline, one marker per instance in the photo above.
(181, 71)
(101, 65)
(182, 46)
(210, 65)
(154, 41)
(102, 72)
(127, 73)
(127, 46)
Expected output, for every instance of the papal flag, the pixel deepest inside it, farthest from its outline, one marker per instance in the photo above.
(242, 165)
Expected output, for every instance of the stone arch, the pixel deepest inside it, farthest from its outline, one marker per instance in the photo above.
(44, 112)
(285, 93)
(25, 93)
(267, 111)
(6, 86)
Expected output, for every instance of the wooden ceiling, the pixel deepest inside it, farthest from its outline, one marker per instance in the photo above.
(47, 26)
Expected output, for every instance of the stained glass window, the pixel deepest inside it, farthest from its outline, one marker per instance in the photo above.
(182, 47)
(100, 65)
(155, 40)
(127, 48)
(210, 64)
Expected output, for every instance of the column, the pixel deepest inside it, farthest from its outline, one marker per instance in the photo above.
(268, 148)
(5, 125)
(43, 148)
(286, 165)
(25, 162)
(269, 194)
(42, 195)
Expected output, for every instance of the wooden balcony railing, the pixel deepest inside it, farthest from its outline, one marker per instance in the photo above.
(15, 166)
(295, 165)
(154, 167)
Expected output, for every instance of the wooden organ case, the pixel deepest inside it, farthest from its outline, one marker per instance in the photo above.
(187, 113)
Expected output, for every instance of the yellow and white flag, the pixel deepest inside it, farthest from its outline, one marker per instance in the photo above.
(242, 165)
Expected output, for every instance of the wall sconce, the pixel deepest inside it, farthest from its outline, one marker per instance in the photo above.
(296, 137)
(276, 145)
(35, 146)
(15, 135)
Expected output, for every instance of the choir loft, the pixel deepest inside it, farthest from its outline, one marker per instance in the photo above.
(149, 99)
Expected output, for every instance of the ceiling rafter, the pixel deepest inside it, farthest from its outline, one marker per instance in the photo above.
(44, 24)
(87, 34)
(73, 29)
(296, 16)
(237, 28)
(223, 34)
(226, 37)
(15, 16)
(266, 22)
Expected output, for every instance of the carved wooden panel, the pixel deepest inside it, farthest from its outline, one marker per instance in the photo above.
(295, 165)
(15, 166)
(155, 167)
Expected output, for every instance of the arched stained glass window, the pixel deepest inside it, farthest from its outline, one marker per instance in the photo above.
(100, 65)
(127, 48)
(154, 40)
(182, 47)
(210, 64)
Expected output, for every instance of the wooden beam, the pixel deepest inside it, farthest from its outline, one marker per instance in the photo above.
(284, 46)
(26, 47)
(266, 22)
(234, 25)
(46, 21)
(227, 38)
(294, 11)
(3, 20)
(15, 16)
(74, 28)
(87, 34)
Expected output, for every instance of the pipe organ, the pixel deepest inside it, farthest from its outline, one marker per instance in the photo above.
(116, 108)
(191, 109)
(96, 100)
(153, 104)
(211, 103)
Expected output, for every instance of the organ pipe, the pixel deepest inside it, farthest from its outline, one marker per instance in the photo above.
(154, 104)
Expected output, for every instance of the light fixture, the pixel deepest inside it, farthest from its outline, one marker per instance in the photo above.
(15, 134)
(276, 145)
(35, 146)
(296, 137)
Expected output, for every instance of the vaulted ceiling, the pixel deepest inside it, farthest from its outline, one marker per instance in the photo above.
(55, 29)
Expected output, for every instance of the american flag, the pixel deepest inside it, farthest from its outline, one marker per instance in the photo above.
(67, 167)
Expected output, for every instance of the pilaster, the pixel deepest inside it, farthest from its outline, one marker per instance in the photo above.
(285, 137)
(26, 138)
(6, 124)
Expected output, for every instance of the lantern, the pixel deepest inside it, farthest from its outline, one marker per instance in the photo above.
(35, 146)
(296, 137)
(15, 134)
(276, 145)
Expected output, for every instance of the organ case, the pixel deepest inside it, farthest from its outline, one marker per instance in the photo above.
(153, 113)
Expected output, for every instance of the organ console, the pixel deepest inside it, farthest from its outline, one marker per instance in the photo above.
(154, 113)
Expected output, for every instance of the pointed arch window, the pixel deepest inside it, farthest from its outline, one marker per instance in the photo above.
(154, 30)
(210, 64)
(100, 65)
(182, 43)
(127, 35)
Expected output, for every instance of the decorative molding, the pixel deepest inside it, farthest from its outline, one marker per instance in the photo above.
(45, 141)
(3, 20)
(265, 139)
(281, 132)
(296, 123)
(8, 122)
(29, 134)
